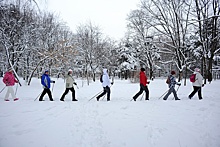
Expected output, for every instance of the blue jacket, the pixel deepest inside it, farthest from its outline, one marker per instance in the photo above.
(45, 81)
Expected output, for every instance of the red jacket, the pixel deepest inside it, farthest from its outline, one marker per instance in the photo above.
(143, 78)
(9, 79)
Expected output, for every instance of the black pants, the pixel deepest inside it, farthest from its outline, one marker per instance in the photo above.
(46, 90)
(142, 88)
(66, 91)
(106, 90)
(196, 89)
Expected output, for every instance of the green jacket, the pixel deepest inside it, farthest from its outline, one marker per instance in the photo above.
(69, 81)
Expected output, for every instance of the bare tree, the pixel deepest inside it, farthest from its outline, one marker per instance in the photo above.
(140, 32)
(208, 18)
(90, 45)
(170, 19)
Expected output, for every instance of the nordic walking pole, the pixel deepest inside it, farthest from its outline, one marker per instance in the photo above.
(164, 94)
(95, 95)
(16, 90)
(2, 89)
(103, 97)
(142, 97)
(52, 87)
(176, 91)
(37, 96)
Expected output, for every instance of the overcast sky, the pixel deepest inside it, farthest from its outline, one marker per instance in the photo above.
(109, 15)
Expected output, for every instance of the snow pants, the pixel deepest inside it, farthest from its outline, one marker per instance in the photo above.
(106, 90)
(65, 93)
(142, 88)
(171, 90)
(46, 90)
(196, 89)
(10, 91)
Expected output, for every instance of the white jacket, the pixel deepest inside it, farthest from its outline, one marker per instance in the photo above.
(105, 79)
(199, 80)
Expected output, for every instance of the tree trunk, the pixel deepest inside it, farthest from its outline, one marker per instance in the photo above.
(209, 71)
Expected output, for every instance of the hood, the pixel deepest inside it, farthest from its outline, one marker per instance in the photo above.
(8, 73)
(197, 70)
(105, 71)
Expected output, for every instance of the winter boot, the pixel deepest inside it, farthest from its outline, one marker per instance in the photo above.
(16, 99)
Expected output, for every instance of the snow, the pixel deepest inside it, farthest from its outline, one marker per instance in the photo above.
(118, 123)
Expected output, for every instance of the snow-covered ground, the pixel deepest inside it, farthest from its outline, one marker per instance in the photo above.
(118, 123)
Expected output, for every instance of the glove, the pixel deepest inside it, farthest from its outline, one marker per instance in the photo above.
(74, 83)
(148, 82)
(178, 84)
(202, 85)
(53, 82)
(112, 83)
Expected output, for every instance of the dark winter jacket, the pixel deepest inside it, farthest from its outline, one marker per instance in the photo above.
(45, 81)
(143, 78)
(172, 81)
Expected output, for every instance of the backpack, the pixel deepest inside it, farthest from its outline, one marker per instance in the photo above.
(192, 78)
(168, 80)
(101, 79)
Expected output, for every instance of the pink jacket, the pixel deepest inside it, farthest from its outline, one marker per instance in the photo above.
(9, 79)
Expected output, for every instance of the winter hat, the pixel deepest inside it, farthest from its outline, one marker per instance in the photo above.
(46, 71)
(142, 69)
(70, 71)
(173, 72)
(197, 70)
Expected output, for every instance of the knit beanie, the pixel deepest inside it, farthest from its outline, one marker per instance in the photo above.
(173, 72)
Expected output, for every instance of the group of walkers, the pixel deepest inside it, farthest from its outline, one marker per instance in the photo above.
(45, 81)
(171, 81)
(10, 81)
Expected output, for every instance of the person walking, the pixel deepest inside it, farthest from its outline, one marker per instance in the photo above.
(69, 86)
(10, 81)
(172, 82)
(197, 85)
(106, 85)
(143, 85)
(45, 81)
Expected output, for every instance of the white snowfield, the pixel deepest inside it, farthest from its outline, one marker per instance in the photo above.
(118, 123)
